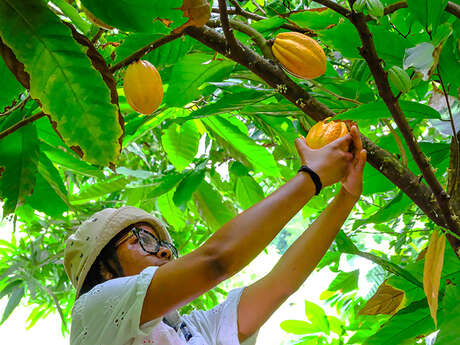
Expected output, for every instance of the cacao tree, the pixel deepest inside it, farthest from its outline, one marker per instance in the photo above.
(223, 138)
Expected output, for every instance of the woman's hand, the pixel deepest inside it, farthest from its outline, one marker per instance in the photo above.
(330, 162)
(352, 182)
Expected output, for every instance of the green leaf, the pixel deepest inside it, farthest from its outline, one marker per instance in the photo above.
(242, 147)
(299, 327)
(70, 90)
(11, 88)
(170, 212)
(248, 191)
(214, 210)
(317, 316)
(379, 110)
(136, 15)
(181, 143)
(428, 12)
(99, 189)
(345, 244)
(186, 81)
(315, 20)
(345, 282)
(19, 153)
(187, 187)
(391, 210)
(50, 195)
(408, 323)
(13, 302)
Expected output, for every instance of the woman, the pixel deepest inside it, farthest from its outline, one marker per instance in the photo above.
(130, 282)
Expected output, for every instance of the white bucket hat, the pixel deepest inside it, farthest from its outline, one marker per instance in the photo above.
(83, 247)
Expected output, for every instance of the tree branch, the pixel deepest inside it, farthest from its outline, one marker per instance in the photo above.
(20, 124)
(231, 40)
(145, 50)
(369, 53)
(334, 6)
(274, 76)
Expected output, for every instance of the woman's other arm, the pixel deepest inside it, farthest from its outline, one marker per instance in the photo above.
(262, 298)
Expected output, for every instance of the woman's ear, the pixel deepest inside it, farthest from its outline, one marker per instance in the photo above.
(105, 272)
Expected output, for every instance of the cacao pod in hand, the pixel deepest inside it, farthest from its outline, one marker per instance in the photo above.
(143, 87)
(325, 132)
(300, 55)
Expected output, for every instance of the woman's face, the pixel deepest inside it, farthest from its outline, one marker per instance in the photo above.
(133, 259)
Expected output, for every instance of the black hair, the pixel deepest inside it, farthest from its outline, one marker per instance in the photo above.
(107, 259)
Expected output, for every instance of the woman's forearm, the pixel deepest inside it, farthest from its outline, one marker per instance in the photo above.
(304, 254)
(240, 240)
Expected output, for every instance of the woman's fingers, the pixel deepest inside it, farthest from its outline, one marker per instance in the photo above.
(357, 144)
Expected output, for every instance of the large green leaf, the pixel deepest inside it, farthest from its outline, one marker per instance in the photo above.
(189, 74)
(428, 12)
(13, 302)
(243, 147)
(187, 187)
(50, 195)
(317, 316)
(170, 212)
(136, 15)
(214, 210)
(19, 153)
(248, 191)
(315, 20)
(70, 90)
(181, 143)
(345, 281)
(299, 327)
(99, 189)
(378, 110)
(392, 210)
(10, 87)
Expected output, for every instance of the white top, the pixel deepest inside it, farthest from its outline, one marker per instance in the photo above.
(110, 314)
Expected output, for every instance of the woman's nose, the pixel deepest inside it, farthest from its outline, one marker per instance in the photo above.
(164, 253)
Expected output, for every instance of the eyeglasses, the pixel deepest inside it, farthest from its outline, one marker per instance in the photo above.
(149, 243)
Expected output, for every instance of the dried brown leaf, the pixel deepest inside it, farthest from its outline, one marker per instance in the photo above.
(386, 300)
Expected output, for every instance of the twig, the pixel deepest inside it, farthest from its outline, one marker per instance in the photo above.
(398, 142)
(342, 98)
(21, 124)
(239, 10)
(255, 35)
(145, 50)
(454, 131)
(16, 107)
(259, 7)
(231, 40)
(97, 35)
(369, 53)
(334, 6)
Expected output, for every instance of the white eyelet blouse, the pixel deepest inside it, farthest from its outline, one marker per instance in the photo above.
(110, 314)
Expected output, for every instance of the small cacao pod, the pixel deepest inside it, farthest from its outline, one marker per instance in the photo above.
(143, 87)
(400, 79)
(375, 8)
(325, 132)
(358, 6)
(300, 55)
(198, 13)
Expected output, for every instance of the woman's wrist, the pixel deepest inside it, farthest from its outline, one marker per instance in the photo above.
(347, 197)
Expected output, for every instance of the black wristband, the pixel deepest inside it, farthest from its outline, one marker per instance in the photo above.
(314, 176)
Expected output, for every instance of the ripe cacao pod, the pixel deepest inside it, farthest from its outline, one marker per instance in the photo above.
(198, 13)
(400, 79)
(143, 87)
(325, 132)
(300, 55)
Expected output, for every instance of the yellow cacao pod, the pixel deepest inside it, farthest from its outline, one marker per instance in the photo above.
(300, 55)
(325, 132)
(143, 87)
(198, 13)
